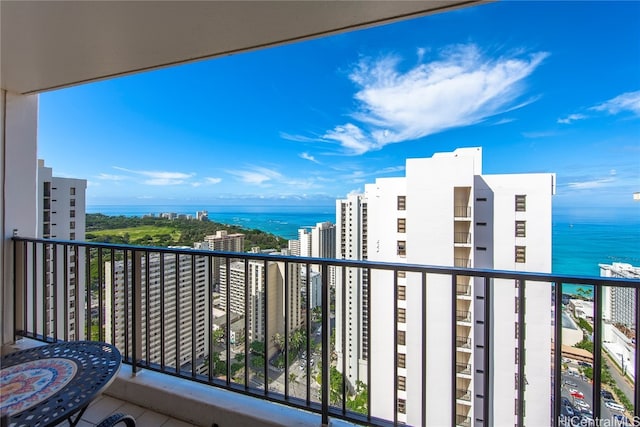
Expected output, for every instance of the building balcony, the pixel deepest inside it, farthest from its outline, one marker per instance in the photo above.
(462, 238)
(174, 377)
(462, 212)
(463, 316)
(463, 369)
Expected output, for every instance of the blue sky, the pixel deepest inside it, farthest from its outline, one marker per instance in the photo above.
(541, 86)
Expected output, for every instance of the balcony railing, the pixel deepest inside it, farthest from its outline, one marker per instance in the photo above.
(462, 262)
(463, 368)
(463, 421)
(462, 237)
(462, 211)
(463, 394)
(463, 316)
(463, 342)
(159, 307)
(463, 290)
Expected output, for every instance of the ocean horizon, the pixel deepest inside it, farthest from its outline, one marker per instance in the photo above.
(578, 244)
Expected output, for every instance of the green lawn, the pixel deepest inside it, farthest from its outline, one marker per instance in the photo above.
(144, 234)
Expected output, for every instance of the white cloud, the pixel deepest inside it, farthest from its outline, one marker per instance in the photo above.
(571, 118)
(297, 138)
(160, 177)
(109, 177)
(210, 180)
(504, 121)
(595, 182)
(461, 88)
(586, 185)
(629, 101)
(309, 157)
(256, 175)
(351, 137)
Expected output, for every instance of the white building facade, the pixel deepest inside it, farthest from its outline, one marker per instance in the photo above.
(61, 214)
(445, 212)
(269, 297)
(619, 304)
(166, 307)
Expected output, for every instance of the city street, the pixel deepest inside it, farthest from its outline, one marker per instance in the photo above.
(576, 411)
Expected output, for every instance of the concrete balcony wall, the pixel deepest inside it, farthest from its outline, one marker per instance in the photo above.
(18, 165)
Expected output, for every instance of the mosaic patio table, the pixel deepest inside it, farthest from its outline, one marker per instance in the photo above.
(45, 385)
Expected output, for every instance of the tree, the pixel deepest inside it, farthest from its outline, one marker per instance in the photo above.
(358, 402)
(297, 341)
(218, 335)
(257, 348)
(278, 340)
(585, 344)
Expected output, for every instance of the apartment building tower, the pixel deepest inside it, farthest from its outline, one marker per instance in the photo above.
(169, 286)
(61, 210)
(270, 297)
(224, 242)
(619, 304)
(446, 212)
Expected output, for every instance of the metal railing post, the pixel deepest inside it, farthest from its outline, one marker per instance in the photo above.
(19, 288)
(557, 353)
(136, 310)
(326, 350)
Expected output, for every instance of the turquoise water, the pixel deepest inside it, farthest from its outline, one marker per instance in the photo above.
(578, 245)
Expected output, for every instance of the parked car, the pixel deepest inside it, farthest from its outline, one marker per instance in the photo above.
(581, 404)
(612, 404)
(569, 410)
(606, 394)
(576, 393)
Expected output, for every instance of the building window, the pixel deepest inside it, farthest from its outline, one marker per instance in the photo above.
(521, 203)
(402, 406)
(72, 236)
(521, 252)
(402, 383)
(402, 203)
(402, 360)
(402, 315)
(72, 202)
(72, 225)
(402, 225)
(402, 292)
(72, 191)
(402, 274)
(401, 338)
(402, 248)
(72, 213)
(521, 228)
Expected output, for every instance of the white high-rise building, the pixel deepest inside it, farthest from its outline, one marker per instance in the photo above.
(619, 304)
(221, 241)
(172, 319)
(445, 212)
(61, 212)
(266, 287)
(318, 241)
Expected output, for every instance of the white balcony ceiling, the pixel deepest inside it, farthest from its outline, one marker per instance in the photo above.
(51, 44)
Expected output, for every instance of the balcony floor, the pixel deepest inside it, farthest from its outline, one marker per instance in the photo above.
(104, 406)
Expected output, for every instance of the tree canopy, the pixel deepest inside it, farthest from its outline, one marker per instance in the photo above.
(156, 231)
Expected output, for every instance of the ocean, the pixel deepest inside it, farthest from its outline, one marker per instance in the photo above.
(578, 245)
